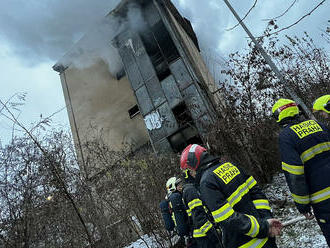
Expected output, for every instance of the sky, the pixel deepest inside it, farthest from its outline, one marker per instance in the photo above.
(35, 34)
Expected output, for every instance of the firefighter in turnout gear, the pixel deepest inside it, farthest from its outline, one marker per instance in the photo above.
(203, 230)
(174, 211)
(305, 153)
(322, 106)
(234, 199)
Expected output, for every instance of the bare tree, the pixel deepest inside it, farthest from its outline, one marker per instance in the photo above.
(247, 132)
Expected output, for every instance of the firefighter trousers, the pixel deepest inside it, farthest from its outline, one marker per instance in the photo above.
(325, 227)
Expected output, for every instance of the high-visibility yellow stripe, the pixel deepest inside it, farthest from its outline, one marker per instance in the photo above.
(255, 227)
(255, 243)
(172, 215)
(242, 190)
(226, 210)
(313, 151)
(223, 213)
(202, 231)
(293, 169)
(188, 212)
(251, 182)
(173, 218)
(320, 196)
(194, 203)
(304, 199)
(261, 204)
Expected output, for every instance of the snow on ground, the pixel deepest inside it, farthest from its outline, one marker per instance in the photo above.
(304, 234)
(151, 242)
(142, 243)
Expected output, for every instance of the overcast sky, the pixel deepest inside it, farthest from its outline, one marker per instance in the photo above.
(35, 34)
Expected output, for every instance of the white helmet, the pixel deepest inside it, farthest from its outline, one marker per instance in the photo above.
(170, 185)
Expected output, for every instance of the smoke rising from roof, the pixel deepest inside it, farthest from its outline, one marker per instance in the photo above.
(97, 44)
(44, 30)
(39, 31)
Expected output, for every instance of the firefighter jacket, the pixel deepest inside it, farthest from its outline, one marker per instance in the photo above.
(201, 224)
(237, 204)
(179, 213)
(305, 155)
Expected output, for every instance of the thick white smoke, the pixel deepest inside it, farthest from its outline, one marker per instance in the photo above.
(39, 31)
(44, 30)
(96, 44)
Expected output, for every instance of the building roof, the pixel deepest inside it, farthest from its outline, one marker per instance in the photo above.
(121, 12)
(184, 22)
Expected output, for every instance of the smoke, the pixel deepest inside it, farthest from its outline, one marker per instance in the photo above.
(97, 44)
(211, 20)
(38, 31)
(54, 30)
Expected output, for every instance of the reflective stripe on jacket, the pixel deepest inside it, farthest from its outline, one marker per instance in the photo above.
(237, 204)
(305, 155)
(179, 214)
(200, 220)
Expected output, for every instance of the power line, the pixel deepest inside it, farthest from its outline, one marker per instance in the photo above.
(269, 61)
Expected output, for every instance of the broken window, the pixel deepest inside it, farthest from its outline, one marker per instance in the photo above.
(134, 111)
(183, 137)
(187, 133)
(165, 42)
(160, 48)
(182, 114)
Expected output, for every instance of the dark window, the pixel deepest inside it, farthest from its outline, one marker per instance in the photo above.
(160, 48)
(133, 111)
(177, 141)
(165, 42)
(182, 138)
(182, 114)
(187, 133)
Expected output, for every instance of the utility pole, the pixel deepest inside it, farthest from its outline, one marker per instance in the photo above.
(269, 61)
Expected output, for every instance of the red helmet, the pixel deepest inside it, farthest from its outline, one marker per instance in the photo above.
(191, 157)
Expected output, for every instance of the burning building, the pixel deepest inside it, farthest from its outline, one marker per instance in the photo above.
(147, 81)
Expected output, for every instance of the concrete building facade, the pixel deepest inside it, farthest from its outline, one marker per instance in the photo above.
(162, 94)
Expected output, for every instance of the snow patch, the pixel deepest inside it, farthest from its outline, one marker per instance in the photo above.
(306, 233)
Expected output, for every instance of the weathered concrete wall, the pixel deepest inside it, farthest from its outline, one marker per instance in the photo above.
(98, 105)
(197, 61)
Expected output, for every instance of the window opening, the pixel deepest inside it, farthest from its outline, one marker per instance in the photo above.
(187, 133)
(134, 111)
(183, 137)
(182, 114)
(165, 42)
(160, 48)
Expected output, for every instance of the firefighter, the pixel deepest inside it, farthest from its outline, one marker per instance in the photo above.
(235, 200)
(203, 231)
(305, 153)
(322, 106)
(174, 212)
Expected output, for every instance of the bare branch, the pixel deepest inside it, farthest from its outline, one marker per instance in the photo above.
(247, 13)
(53, 168)
(20, 96)
(295, 23)
(286, 11)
